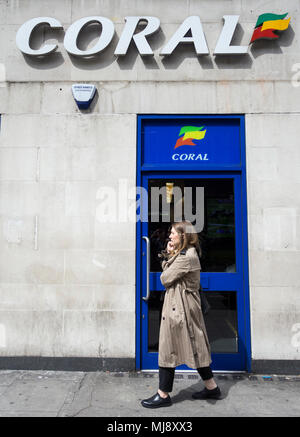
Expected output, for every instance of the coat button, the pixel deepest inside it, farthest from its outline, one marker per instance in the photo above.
(173, 309)
(163, 318)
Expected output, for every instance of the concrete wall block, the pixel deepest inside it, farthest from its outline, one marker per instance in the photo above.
(46, 297)
(82, 333)
(119, 334)
(28, 266)
(274, 164)
(192, 97)
(116, 235)
(18, 130)
(19, 11)
(298, 232)
(114, 297)
(31, 333)
(99, 334)
(52, 68)
(17, 231)
(123, 168)
(116, 10)
(263, 163)
(116, 131)
(289, 164)
(115, 218)
(53, 130)
(24, 98)
(80, 199)
(274, 229)
(66, 232)
(252, 8)
(243, 97)
(18, 164)
(3, 6)
(81, 164)
(57, 98)
(99, 162)
(256, 231)
(18, 198)
(52, 163)
(8, 36)
(275, 299)
(274, 268)
(273, 130)
(286, 97)
(108, 162)
(166, 98)
(63, 130)
(51, 199)
(212, 10)
(275, 335)
(273, 194)
(28, 130)
(100, 267)
(3, 97)
(21, 198)
(80, 131)
(280, 229)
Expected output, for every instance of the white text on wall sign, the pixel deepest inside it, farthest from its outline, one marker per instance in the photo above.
(267, 27)
(191, 25)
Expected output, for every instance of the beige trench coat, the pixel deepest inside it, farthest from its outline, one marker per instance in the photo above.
(183, 337)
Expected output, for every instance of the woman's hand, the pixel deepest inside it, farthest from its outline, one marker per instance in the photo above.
(170, 246)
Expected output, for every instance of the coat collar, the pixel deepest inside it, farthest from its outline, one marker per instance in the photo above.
(172, 259)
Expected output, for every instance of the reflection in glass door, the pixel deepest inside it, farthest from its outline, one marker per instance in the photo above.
(214, 202)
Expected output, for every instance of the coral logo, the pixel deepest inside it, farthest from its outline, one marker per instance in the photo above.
(267, 24)
(188, 134)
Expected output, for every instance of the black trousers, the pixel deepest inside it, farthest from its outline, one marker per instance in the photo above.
(166, 377)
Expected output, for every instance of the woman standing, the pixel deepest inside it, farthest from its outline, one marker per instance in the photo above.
(183, 338)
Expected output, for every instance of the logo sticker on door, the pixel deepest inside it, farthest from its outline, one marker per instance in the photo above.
(189, 134)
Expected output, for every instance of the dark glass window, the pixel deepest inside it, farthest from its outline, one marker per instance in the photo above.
(217, 239)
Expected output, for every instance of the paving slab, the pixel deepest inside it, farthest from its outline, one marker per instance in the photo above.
(119, 394)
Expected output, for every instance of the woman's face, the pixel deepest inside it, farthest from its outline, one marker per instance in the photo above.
(174, 237)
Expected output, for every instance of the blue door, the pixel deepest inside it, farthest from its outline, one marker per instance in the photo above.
(215, 200)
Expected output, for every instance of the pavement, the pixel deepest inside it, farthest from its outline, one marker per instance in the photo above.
(26, 393)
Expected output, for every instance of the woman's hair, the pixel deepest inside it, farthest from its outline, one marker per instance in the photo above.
(187, 235)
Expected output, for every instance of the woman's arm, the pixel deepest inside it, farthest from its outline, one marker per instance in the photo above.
(179, 268)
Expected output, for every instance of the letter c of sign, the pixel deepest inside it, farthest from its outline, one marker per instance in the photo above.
(25, 31)
(173, 157)
(105, 38)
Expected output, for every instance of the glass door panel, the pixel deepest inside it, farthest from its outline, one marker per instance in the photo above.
(218, 235)
(213, 204)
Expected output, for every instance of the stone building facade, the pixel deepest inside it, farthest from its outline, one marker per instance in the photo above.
(67, 281)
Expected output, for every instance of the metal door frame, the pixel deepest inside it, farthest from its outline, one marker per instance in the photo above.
(216, 171)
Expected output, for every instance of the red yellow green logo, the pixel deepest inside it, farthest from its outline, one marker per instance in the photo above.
(188, 134)
(267, 24)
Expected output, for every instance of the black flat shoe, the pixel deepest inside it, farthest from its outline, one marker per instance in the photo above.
(215, 393)
(156, 402)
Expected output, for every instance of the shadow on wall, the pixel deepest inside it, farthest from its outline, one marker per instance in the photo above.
(90, 34)
(48, 62)
(263, 46)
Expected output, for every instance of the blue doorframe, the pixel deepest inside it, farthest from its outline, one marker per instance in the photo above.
(237, 172)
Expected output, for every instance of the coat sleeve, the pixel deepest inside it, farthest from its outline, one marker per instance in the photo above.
(179, 268)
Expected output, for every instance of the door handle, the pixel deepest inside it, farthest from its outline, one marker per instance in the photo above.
(147, 269)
